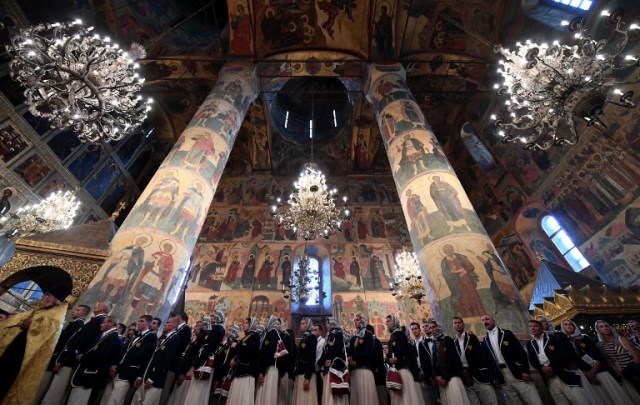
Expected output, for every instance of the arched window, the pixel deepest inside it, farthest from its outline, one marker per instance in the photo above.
(314, 282)
(563, 242)
(582, 5)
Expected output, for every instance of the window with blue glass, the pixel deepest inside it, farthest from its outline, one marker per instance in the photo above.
(314, 282)
(563, 243)
(582, 5)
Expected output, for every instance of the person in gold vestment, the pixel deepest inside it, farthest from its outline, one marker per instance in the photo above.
(26, 341)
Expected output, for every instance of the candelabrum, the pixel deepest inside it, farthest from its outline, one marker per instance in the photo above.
(311, 210)
(74, 78)
(56, 212)
(408, 280)
(550, 86)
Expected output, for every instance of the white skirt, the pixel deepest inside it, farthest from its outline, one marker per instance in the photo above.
(410, 393)
(631, 391)
(610, 391)
(284, 390)
(199, 392)
(302, 397)
(179, 394)
(454, 393)
(267, 393)
(363, 388)
(327, 396)
(242, 391)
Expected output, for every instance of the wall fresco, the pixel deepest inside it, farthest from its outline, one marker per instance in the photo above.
(33, 169)
(12, 143)
(614, 251)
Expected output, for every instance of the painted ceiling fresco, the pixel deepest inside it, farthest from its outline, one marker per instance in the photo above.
(188, 43)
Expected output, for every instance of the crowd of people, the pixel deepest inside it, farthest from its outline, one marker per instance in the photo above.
(104, 362)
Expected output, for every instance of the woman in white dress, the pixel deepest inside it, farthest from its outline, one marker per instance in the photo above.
(398, 356)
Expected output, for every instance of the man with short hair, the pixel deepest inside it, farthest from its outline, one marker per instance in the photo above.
(417, 340)
(183, 332)
(132, 364)
(149, 386)
(95, 363)
(548, 355)
(476, 366)
(77, 321)
(512, 363)
(155, 325)
(81, 341)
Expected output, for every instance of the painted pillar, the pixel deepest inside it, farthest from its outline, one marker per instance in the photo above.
(150, 253)
(464, 274)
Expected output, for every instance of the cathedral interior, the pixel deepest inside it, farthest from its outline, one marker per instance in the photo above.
(401, 94)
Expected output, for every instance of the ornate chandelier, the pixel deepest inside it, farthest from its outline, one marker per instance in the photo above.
(77, 79)
(408, 279)
(311, 210)
(551, 86)
(303, 282)
(56, 212)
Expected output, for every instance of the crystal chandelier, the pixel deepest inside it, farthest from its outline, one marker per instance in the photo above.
(56, 212)
(311, 210)
(408, 280)
(77, 79)
(551, 86)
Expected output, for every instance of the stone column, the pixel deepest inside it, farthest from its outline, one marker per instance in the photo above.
(464, 274)
(150, 253)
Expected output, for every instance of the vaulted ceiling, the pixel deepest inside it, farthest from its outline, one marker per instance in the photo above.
(307, 53)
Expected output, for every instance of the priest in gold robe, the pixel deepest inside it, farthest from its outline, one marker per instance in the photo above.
(26, 341)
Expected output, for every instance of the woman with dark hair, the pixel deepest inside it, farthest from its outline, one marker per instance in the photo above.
(597, 374)
(245, 366)
(623, 357)
(267, 392)
(304, 389)
(334, 355)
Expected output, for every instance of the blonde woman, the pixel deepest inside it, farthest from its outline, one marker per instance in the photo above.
(623, 357)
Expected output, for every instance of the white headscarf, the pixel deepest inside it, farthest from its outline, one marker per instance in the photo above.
(218, 317)
(273, 323)
(600, 337)
(363, 325)
(576, 333)
(309, 326)
(395, 324)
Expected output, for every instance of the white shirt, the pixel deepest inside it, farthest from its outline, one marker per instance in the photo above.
(416, 343)
(319, 350)
(542, 356)
(460, 343)
(495, 345)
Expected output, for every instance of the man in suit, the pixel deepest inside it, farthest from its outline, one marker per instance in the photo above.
(511, 360)
(447, 367)
(149, 385)
(132, 365)
(81, 341)
(549, 355)
(477, 367)
(424, 364)
(77, 321)
(183, 330)
(93, 369)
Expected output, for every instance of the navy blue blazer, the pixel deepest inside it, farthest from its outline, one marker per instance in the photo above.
(93, 369)
(136, 357)
(161, 359)
(513, 353)
(560, 358)
(81, 341)
(65, 335)
(478, 358)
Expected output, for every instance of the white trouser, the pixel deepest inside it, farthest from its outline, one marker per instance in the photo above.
(79, 396)
(518, 390)
(564, 394)
(147, 396)
(481, 393)
(116, 392)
